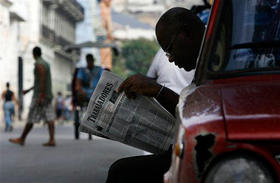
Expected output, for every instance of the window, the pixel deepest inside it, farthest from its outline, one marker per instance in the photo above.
(248, 37)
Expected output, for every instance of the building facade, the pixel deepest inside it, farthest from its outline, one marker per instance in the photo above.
(50, 24)
(149, 11)
(57, 30)
(11, 17)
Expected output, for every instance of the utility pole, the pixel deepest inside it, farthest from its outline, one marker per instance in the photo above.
(20, 87)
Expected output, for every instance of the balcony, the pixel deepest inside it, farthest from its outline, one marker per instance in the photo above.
(71, 8)
(6, 3)
(47, 33)
(53, 38)
(62, 42)
(17, 12)
(75, 5)
(50, 2)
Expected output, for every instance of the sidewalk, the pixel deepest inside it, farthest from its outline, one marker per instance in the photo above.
(16, 124)
(21, 124)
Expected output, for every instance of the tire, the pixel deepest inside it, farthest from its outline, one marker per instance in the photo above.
(239, 169)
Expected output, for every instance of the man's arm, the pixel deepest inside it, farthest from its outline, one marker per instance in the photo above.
(79, 81)
(142, 85)
(15, 99)
(153, 69)
(3, 95)
(81, 94)
(78, 85)
(28, 90)
(168, 99)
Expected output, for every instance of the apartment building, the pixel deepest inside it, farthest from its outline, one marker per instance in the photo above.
(50, 24)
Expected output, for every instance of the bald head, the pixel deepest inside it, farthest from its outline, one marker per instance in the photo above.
(181, 31)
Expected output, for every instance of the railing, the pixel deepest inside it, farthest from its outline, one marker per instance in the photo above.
(71, 7)
(47, 33)
(78, 5)
(62, 41)
(50, 35)
(49, 2)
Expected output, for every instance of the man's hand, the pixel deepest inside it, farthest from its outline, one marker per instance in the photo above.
(142, 85)
(26, 91)
(139, 85)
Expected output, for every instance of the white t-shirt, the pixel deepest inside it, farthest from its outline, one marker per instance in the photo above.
(168, 74)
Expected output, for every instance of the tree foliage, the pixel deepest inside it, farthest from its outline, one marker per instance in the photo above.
(136, 57)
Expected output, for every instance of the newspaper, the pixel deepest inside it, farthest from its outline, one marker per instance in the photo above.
(142, 122)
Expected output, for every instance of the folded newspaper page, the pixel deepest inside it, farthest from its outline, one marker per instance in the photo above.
(142, 122)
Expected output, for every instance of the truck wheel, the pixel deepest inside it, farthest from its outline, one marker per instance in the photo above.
(239, 169)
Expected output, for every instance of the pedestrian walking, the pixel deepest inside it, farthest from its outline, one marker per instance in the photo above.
(59, 106)
(9, 99)
(41, 105)
(67, 111)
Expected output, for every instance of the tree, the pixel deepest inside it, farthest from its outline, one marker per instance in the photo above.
(136, 57)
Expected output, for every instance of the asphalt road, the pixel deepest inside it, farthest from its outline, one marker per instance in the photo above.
(70, 161)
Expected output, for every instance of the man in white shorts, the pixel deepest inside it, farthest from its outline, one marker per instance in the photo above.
(41, 106)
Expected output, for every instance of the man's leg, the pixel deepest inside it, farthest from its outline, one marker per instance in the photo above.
(76, 124)
(32, 117)
(76, 131)
(139, 169)
(51, 133)
(12, 117)
(21, 139)
(49, 116)
(89, 137)
(7, 117)
(83, 110)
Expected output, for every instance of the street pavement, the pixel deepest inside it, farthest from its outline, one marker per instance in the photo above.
(70, 161)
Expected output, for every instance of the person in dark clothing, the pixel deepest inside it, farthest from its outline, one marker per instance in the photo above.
(59, 106)
(199, 8)
(203, 11)
(84, 82)
(75, 105)
(9, 99)
(179, 33)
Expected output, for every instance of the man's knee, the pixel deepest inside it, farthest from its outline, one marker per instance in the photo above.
(112, 173)
(115, 167)
(29, 125)
(118, 170)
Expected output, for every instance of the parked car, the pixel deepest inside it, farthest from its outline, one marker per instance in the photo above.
(230, 115)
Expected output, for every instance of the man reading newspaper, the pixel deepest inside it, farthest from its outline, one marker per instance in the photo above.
(179, 33)
(126, 111)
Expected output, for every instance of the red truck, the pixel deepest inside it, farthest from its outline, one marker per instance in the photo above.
(230, 116)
